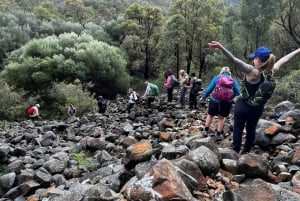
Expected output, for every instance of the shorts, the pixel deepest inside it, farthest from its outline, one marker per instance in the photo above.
(219, 108)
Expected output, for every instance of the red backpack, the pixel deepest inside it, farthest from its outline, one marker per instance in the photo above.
(30, 110)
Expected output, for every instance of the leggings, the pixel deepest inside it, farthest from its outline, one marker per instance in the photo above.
(170, 94)
(182, 95)
(192, 101)
(245, 116)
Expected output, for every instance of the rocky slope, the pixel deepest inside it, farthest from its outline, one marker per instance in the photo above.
(149, 154)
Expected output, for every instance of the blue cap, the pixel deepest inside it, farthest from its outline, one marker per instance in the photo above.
(262, 53)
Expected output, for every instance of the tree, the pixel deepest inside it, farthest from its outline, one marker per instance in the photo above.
(144, 22)
(106, 10)
(232, 38)
(40, 63)
(289, 12)
(256, 19)
(43, 13)
(203, 19)
(173, 36)
(76, 10)
(12, 35)
(28, 5)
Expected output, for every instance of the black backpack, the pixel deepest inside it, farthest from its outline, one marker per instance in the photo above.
(196, 86)
(263, 93)
(189, 81)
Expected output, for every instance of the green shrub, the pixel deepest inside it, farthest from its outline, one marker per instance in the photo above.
(81, 160)
(287, 89)
(62, 95)
(12, 105)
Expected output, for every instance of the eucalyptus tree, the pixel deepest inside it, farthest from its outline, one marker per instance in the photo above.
(256, 20)
(41, 62)
(43, 13)
(231, 36)
(203, 20)
(77, 12)
(288, 18)
(171, 43)
(106, 10)
(143, 23)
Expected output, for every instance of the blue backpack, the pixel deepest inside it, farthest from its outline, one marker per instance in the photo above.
(175, 82)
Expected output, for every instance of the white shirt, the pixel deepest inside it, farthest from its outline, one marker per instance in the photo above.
(148, 90)
(132, 97)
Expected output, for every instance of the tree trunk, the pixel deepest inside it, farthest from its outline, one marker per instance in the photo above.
(177, 60)
(146, 69)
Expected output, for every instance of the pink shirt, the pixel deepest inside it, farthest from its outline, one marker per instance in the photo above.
(168, 83)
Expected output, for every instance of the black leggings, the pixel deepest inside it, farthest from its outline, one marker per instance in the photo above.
(192, 101)
(170, 94)
(245, 115)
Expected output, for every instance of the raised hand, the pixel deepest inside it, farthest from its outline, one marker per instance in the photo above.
(214, 44)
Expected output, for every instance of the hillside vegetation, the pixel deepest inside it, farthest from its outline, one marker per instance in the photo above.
(103, 47)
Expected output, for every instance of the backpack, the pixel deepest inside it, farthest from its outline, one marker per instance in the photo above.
(136, 96)
(30, 110)
(224, 88)
(264, 91)
(154, 90)
(196, 86)
(72, 111)
(189, 81)
(175, 82)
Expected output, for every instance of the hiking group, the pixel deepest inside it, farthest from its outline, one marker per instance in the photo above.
(257, 87)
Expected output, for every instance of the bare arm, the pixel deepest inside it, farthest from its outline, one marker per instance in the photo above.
(243, 66)
(285, 59)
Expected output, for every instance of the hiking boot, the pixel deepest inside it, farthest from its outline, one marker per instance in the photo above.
(245, 151)
(204, 132)
(218, 137)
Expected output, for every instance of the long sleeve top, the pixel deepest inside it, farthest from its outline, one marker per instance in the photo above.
(148, 90)
(184, 80)
(168, 83)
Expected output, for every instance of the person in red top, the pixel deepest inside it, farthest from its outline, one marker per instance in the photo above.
(33, 112)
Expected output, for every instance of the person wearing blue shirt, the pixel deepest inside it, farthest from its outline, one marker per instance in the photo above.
(218, 106)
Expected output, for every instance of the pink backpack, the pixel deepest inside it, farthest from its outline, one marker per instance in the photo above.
(224, 88)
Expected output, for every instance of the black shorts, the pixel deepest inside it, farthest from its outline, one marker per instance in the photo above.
(219, 108)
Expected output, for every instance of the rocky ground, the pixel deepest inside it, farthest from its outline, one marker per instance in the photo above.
(149, 154)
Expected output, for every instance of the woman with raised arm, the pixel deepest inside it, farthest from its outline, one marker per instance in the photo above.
(256, 88)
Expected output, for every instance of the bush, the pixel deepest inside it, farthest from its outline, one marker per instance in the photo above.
(287, 89)
(12, 105)
(62, 95)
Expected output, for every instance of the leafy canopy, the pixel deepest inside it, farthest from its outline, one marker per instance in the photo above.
(42, 62)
